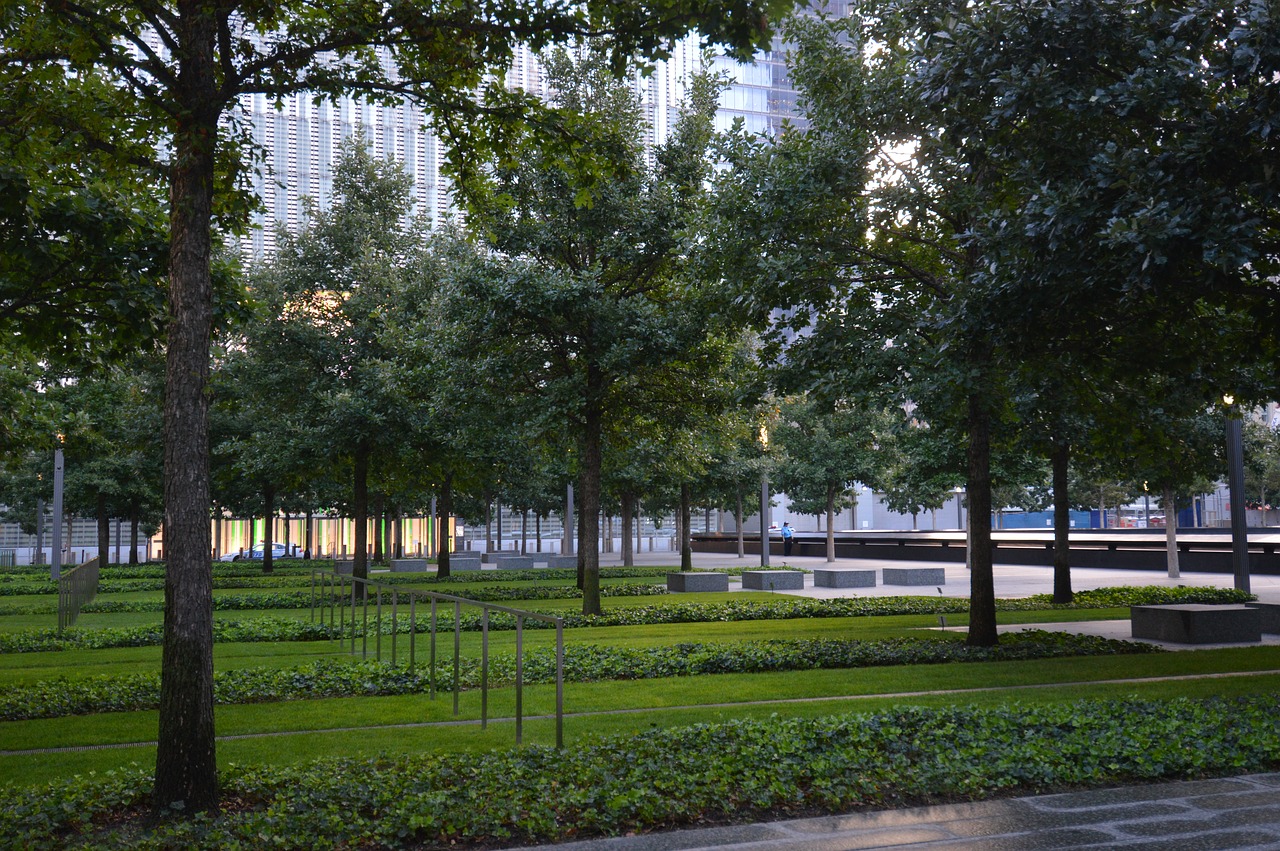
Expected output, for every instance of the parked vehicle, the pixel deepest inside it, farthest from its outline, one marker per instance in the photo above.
(255, 554)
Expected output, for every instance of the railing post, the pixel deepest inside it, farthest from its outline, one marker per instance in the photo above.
(519, 678)
(433, 649)
(457, 652)
(484, 667)
(395, 599)
(559, 682)
(378, 590)
(413, 628)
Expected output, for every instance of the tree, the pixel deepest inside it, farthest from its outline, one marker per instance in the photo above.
(179, 68)
(825, 450)
(580, 295)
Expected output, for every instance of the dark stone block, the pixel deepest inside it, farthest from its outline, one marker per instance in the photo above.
(1269, 615)
(513, 562)
(463, 563)
(409, 565)
(772, 580)
(914, 576)
(1197, 623)
(834, 578)
(686, 581)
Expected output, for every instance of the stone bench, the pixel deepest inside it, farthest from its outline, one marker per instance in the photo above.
(772, 580)
(1269, 615)
(1197, 623)
(562, 562)
(834, 578)
(512, 562)
(686, 581)
(409, 565)
(343, 568)
(463, 562)
(914, 576)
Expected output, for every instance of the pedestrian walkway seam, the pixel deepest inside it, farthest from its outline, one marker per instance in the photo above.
(414, 725)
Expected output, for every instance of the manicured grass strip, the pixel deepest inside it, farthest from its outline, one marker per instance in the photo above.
(55, 698)
(737, 771)
(769, 608)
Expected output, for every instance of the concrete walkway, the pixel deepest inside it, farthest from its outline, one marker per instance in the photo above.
(1230, 813)
(1239, 813)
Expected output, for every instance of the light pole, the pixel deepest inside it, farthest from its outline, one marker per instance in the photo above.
(55, 559)
(959, 507)
(1235, 485)
(764, 499)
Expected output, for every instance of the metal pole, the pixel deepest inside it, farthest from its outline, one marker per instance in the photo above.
(764, 521)
(1235, 483)
(55, 556)
(38, 556)
(484, 667)
(519, 678)
(413, 628)
(559, 683)
(568, 521)
(457, 652)
(432, 661)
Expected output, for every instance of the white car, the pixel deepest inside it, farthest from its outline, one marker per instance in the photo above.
(277, 551)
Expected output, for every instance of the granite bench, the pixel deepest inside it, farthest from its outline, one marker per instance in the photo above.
(561, 562)
(512, 562)
(1197, 623)
(1269, 614)
(914, 576)
(836, 578)
(687, 580)
(463, 562)
(772, 580)
(409, 565)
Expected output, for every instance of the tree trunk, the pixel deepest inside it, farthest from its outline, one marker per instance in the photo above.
(442, 523)
(488, 526)
(268, 527)
(1171, 532)
(628, 519)
(186, 765)
(589, 482)
(134, 513)
(379, 529)
(537, 531)
(831, 523)
(308, 544)
(1061, 461)
(982, 592)
(360, 511)
(104, 531)
(737, 518)
(686, 520)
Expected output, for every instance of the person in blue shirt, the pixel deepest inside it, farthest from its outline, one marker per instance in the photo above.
(788, 534)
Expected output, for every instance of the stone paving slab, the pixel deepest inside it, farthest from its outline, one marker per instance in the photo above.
(1236, 813)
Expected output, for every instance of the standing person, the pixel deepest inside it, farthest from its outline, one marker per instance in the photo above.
(787, 535)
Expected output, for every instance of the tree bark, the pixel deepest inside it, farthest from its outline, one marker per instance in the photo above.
(104, 531)
(982, 596)
(445, 509)
(589, 482)
(360, 511)
(1061, 461)
(134, 513)
(831, 523)
(268, 527)
(1170, 503)
(628, 521)
(186, 765)
(379, 529)
(686, 520)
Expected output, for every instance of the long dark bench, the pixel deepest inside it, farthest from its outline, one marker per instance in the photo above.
(1197, 623)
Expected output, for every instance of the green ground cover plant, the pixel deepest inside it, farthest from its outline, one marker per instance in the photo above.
(582, 663)
(741, 770)
(769, 607)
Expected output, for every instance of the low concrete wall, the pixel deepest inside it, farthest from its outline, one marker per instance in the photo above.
(772, 580)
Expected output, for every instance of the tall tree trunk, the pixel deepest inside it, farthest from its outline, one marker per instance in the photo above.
(379, 528)
(982, 591)
(308, 545)
(268, 527)
(360, 511)
(589, 482)
(831, 523)
(524, 532)
(628, 519)
(686, 520)
(1061, 461)
(186, 765)
(445, 508)
(397, 536)
(537, 531)
(104, 531)
(134, 520)
(737, 518)
(1170, 503)
(488, 526)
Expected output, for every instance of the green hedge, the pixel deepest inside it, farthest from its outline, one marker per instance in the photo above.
(590, 663)
(777, 608)
(739, 771)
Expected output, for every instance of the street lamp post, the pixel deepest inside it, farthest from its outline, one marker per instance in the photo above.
(1235, 485)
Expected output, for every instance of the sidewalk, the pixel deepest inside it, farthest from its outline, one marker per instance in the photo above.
(1238, 813)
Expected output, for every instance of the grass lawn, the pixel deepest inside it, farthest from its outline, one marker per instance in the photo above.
(294, 731)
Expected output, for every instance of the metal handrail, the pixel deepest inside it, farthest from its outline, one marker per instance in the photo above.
(328, 588)
(76, 588)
